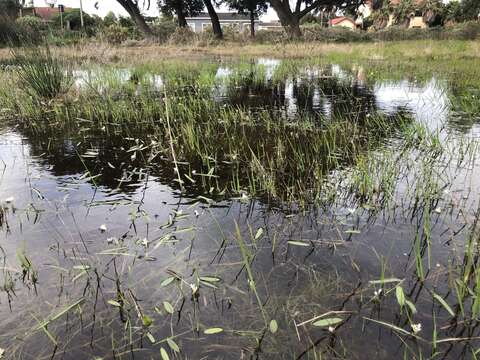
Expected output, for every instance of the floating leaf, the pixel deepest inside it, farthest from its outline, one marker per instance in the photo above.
(444, 304)
(384, 281)
(164, 354)
(211, 331)
(327, 322)
(173, 345)
(151, 338)
(298, 243)
(259, 234)
(114, 303)
(168, 307)
(400, 296)
(273, 326)
(167, 281)
(412, 307)
(352, 231)
(210, 278)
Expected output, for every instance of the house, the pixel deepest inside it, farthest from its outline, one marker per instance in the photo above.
(343, 22)
(415, 20)
(202, 21)
(271, 25)
(46, 13)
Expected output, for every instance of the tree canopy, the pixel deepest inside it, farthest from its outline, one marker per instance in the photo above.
(254, 8)
(181, 9)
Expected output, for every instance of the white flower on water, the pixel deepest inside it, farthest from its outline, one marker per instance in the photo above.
(194, 288)
(10, 200)
(112, 240)
(416, 328)
(438, 210)
(197, 214)
(2, 352)
(351, 210)
(331, 329)
(377, 293)
(103, 228)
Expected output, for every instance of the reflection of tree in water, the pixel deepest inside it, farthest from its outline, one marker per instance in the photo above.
(244, 153)
(320, 96)
(465, 109)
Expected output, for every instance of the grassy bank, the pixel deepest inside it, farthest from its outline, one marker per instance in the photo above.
(416, 50)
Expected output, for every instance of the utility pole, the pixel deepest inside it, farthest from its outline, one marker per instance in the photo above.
(81, 15)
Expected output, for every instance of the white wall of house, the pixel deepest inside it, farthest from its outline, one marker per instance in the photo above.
(199, 25)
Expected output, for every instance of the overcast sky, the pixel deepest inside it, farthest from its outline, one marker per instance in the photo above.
(105, 6)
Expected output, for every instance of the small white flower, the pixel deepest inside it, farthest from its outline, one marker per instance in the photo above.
(194, 288)
(2, 352)
(103, 228)
(112, 240)
(438, 265)
(331, 329)
(416, 328)
(10, 200)
(351, 210)
(197, 214)
(438, 210)
(377, 293)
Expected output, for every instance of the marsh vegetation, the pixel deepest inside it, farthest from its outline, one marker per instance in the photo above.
(232, 208)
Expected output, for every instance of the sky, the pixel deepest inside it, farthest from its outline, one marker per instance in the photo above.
(105, 6)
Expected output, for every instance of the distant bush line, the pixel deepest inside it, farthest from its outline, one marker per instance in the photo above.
(31, 31)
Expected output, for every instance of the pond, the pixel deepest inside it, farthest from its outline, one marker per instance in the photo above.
(266, 209)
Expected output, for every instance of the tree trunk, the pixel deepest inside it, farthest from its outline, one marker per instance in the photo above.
(289, 20)
(217, 29)
(182, 22)
(134, 12)
(252, 24)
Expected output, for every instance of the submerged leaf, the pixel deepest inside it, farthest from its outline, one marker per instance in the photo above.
(147, 320)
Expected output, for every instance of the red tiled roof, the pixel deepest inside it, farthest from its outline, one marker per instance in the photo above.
(47, 13)
(338, 20)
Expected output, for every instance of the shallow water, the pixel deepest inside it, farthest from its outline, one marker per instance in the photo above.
(66, 186)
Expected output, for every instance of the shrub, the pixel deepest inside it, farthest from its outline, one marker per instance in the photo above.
(32, 23)
(115, 34)
(270, 36)
(182, 36)
(73, 17)
(41, 75)
(164, 29)
(14, 34)
(336, 34)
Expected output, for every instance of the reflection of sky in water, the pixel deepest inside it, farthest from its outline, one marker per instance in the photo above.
(428, 103)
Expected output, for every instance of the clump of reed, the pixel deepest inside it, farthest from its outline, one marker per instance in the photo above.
(40, 74)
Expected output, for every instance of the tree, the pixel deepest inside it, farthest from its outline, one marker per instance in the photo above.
(110, 19)
(181, 9)
(217, 29)
(132, 8)
(10, 8)
(470, 9)
(290, 19)
(254, 8)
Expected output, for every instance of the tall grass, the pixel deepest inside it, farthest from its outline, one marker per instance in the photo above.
(41, 75)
